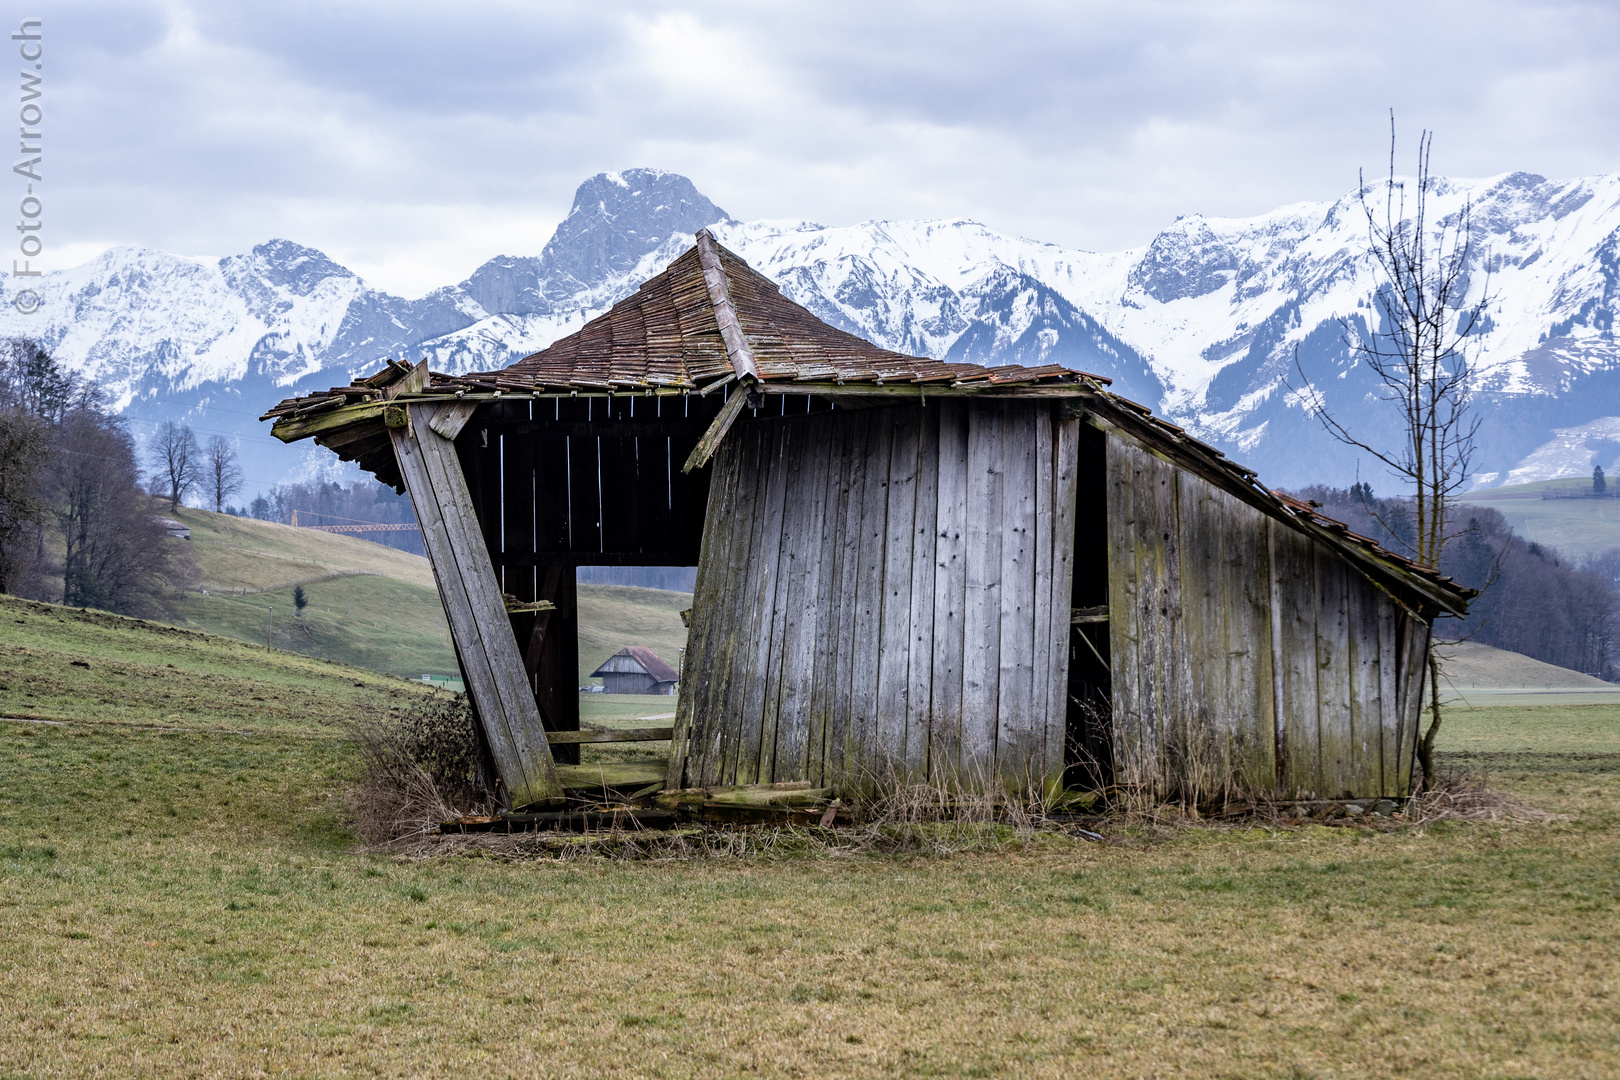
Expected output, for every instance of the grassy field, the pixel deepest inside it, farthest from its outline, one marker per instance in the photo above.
(374, 606)
(179, 897)
(1576, 527)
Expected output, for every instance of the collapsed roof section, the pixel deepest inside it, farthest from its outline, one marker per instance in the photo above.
(710, 320)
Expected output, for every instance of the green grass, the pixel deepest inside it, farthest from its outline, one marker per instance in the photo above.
(184, 902)
(1576, 527)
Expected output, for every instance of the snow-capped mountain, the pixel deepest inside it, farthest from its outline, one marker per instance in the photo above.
(1204, 323)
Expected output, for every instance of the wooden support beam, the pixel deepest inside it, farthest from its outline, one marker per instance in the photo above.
(292, 428)
(704, 450)
(476, 610)
(650, 734)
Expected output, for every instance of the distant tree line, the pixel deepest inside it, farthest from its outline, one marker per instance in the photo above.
(76, 527)
(1534, 602)
(331, 503)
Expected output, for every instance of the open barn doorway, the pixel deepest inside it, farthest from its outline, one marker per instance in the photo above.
(573, 491)
(1088, 751)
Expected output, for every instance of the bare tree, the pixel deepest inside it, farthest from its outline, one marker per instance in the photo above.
(177, 459)
(222, 476)
(1428, 308)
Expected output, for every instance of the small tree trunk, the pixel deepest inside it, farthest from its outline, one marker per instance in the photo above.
(1425, 749)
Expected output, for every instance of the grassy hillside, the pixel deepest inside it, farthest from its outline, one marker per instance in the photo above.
(63, 664)
(1576, 527)
(187, 902)
(375, 606)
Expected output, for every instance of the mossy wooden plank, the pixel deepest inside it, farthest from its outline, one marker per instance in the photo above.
(472, 600)
(614, 774)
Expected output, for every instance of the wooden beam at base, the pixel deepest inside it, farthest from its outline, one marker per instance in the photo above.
(613, 774)
(610, 735)
(475, 609)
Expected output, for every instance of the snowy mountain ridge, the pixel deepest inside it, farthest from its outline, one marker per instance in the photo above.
(1203, 322)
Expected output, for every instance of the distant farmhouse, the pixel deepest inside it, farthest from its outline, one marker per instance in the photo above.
(1000, 576)
(636, 670)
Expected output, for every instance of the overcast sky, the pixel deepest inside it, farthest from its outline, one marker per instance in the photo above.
(412, 142)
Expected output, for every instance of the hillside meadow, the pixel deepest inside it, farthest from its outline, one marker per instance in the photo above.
(374, 606)
(180, 895)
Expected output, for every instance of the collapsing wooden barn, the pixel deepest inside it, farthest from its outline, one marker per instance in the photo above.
(905, 567)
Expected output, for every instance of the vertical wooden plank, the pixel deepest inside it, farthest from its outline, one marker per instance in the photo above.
(773, 632)
(1413, 677)
(1389, 700)
(1248, 645)
(1044, 521)
(1366, 720)
(1016, 741)
(1134, 749)
(823, 633)
(466, 579)
(802, 611)
(783, 505)
(842, 767)
(950, 596)
(1065, 484)
(757, 626)
(1203, 747)
(920, 620)
(1334, 735)
(865, 761)
(894, 624)
(981, 657)
(720, 709)
(1295, 571)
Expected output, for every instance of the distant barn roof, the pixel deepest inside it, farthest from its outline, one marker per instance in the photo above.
(643, 659)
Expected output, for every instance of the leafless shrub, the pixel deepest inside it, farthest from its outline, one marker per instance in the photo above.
(1458, 794)
(417, 771)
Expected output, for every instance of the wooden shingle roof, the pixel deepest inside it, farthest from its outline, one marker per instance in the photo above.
(709, 319)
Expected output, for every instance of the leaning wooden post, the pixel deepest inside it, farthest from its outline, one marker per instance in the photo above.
(422, 434)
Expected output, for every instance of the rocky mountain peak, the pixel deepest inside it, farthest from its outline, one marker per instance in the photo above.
(618, 218)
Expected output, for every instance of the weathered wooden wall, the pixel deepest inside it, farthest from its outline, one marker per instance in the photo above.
(1245, 653)
(883, 590)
